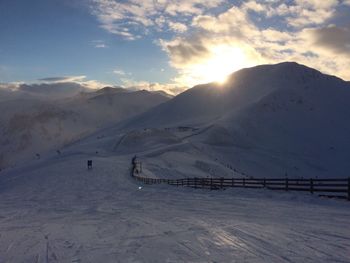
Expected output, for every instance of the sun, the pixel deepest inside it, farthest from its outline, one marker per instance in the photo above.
(221, 62)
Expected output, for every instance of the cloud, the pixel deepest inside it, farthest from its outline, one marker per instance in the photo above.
(99, 44)
(52, 90)
(297, 13)
(79, 80)
(177, 27)
(184, 51)
(333, 39)
(59, 89)
(63, 79)
(131, 19)
(171, 89)
(119, 72)
(49, 88)
(234, 21)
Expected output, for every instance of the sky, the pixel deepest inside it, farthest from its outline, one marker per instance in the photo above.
(166, 44)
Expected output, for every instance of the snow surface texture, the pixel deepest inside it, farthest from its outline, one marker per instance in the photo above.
(54, 209)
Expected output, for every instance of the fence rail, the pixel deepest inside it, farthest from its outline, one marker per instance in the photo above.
(339, 187)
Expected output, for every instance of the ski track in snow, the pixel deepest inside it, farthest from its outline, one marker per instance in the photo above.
(60, 212)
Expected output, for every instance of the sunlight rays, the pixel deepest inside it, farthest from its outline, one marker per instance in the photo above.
(221, 62)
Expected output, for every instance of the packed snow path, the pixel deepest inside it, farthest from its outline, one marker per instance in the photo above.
(57, 211)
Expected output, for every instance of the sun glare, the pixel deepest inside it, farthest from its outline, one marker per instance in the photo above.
(224, 60)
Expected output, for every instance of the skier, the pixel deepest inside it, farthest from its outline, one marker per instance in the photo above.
(89, 164)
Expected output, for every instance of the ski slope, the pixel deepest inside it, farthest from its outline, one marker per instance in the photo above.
(55, 210)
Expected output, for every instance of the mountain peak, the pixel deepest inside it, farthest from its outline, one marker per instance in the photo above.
(108, 90)
(280, 70)
(243, 88)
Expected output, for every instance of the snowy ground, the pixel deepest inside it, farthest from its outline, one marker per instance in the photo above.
(57, 211)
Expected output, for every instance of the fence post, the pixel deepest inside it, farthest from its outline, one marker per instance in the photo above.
(286, 184)
(233, 182)
(311, 185)
(211, 183)
(264, 182)
(243, 182)
(348, 188)
(222, 182)
(195, 182)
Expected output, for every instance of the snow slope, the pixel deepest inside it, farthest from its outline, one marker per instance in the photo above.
(35, 125)
(204, 103)
(297, 130)
(55, 210)
(267, 121)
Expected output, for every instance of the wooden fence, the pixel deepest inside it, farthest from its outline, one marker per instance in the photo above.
(339, 188)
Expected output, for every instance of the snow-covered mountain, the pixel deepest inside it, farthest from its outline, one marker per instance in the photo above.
(30, 126)
(291, 120)
(207, 102)
(294, 131)
(271, 120)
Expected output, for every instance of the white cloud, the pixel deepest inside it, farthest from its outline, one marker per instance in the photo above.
(79, 80)
(171, 89)
(99, 44)
(119, 72)
(297, 13)
(63, 79)
(177, 27)
(131, 19)
(49, 88)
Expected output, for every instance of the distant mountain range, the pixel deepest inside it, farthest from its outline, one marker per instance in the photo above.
(32, 122)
